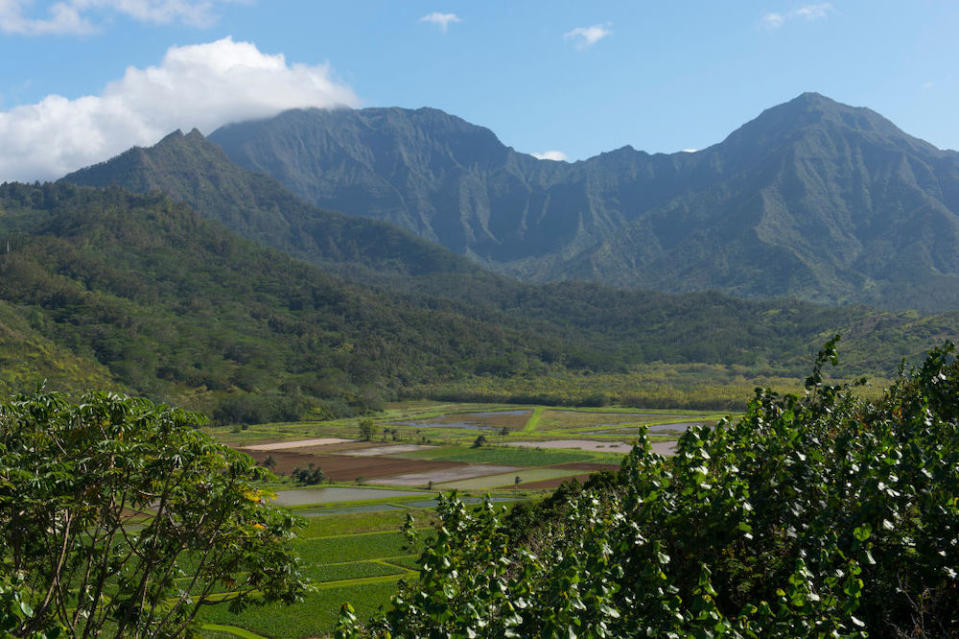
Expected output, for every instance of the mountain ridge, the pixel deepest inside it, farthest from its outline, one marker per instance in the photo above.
(812, 199)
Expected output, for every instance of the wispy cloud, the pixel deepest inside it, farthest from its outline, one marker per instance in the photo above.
(585, 37)
(442, 20)
(78, 17)
(809, 13)
(556, 156)
(203, 86)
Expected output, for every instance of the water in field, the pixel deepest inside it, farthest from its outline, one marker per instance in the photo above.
(678, 427)
(333, 494)
(489, 420)
(466, 425)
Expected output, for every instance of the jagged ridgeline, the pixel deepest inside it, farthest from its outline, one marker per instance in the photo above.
(600, 328)
(179, 308)
(812, 199)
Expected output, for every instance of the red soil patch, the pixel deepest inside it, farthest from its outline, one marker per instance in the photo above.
(346, 468)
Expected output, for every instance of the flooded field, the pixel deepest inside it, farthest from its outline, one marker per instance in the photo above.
(675, 427)
(488, 420)
(452, 474)
(578, 444)
(393, 449)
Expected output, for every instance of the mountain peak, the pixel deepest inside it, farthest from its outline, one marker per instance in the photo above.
(171, 137)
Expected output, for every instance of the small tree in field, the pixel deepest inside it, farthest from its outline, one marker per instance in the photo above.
(367, 429)
(122, 519)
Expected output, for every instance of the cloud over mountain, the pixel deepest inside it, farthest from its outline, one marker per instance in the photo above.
(202, 86)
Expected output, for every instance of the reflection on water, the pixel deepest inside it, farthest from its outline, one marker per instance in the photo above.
(678, 427)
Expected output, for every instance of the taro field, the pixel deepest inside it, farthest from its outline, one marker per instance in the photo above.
(352, 547)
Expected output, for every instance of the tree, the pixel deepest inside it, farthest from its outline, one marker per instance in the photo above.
(479, 442)
(124, 519)
(308, 476)
(367, 429)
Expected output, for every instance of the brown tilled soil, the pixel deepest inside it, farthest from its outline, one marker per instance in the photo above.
(551, 484)
(346, 468)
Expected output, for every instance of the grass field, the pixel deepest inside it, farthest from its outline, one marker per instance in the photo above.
(356, 558)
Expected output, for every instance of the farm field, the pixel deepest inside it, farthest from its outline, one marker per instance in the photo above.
(463, 446)
(352, 547)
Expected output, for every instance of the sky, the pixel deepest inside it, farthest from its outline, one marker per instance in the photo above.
(83, 80)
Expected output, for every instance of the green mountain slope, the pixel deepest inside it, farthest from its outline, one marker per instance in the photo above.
(601, 328)
(194, 171)
(28, 358)
(812, 199)
(178, 308)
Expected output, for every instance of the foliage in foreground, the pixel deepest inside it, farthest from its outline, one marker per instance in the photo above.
(119, 518)
(821, 515)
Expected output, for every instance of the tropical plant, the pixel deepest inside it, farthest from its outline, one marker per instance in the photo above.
(815, 515)
(124, 520)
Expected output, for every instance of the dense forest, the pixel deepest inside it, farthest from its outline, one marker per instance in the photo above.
(138, 292)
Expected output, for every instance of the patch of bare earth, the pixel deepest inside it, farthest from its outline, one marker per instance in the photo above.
(323, 441)
(348, 468)
(386, 450)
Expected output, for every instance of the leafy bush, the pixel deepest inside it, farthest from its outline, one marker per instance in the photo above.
(815, 515)
(107, 505)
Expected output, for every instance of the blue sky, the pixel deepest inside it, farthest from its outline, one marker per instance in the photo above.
(573, 77)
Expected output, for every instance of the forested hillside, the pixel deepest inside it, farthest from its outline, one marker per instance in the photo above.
(197, 172)
(178, 308)
(602, 328)
(104, 287)
(812, 199)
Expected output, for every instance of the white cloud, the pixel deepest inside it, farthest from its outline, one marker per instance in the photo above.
(557, 156)
(203, 86)
(772, 20)
(443, 20)
(585, 37)
(807, 12)
(61, 18)
(689, 150)
(73, 16)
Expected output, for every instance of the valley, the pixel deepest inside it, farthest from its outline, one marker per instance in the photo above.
(518, 353)
(352, 546)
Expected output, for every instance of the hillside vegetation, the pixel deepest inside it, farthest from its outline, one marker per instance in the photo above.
(812, 199)
(112, 289)
(177, 307)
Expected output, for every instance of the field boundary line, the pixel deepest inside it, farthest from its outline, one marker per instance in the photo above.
(533, 420)
(231, 630)
(363, 534)
(359, 581)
